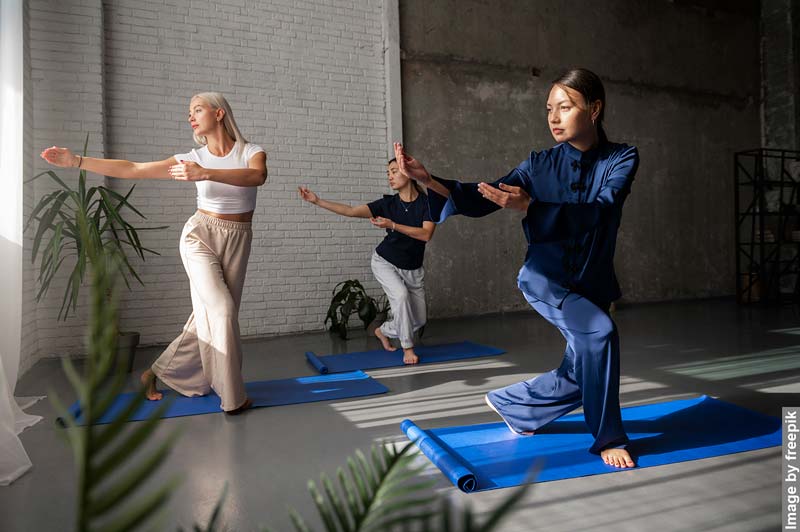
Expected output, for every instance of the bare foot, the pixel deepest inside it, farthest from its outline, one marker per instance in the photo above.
(384, 340)
(409, 356)
(148, 379)
(236, 411)
(617, 458)
(512, 429)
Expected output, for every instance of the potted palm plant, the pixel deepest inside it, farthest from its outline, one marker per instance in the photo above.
(60, 215)
(350, 297)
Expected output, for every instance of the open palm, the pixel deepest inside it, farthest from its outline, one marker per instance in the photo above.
(410, 166)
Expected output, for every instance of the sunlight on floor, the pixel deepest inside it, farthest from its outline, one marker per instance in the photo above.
(791, 330)
(459, 397)
(769, 361)
(789, 384)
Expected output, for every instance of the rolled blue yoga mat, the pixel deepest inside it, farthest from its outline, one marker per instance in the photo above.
(489, 456)
(380, 358)
(316, 363)
(263, 393)
(446, 461)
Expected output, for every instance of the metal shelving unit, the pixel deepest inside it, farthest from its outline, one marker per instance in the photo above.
(767, 209)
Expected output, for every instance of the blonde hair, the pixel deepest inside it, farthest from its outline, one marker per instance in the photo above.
(217, 101)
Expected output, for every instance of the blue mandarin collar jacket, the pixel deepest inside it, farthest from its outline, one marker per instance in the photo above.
(572, 219)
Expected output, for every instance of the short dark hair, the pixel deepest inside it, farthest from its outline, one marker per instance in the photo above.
(591, 88)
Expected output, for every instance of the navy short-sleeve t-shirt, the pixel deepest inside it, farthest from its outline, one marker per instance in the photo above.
(401, 250)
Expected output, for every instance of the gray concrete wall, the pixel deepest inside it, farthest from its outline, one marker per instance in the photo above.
(780, 76)
(682, 84)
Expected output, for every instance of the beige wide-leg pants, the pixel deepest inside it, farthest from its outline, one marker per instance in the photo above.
(405, 290)
(208, 353)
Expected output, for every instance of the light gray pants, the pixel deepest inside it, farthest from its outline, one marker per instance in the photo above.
(405, 290)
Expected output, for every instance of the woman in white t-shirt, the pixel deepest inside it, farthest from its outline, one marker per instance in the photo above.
(214, 247)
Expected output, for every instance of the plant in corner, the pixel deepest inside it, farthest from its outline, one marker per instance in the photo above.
(60, 217)
(349, 297)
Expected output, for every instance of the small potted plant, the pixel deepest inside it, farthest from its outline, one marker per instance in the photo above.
(349, 297)
(60, 215)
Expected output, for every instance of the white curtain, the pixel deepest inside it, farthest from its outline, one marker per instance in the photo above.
(14, 462)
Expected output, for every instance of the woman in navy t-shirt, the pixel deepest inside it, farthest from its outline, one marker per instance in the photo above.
(397, 261)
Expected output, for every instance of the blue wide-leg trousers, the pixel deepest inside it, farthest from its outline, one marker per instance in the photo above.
(588, 376)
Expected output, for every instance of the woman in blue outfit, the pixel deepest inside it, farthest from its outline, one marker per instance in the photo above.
(572, 197)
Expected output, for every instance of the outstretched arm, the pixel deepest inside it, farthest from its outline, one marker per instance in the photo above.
(119, 168)
(359, 211)
(454, 197)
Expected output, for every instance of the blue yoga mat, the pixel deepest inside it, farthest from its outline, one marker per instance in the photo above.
(380, 358)
(262, 393)
(489, 456)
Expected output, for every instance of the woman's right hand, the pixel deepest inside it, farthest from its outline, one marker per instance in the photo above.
(60, 157)
(411, 167)
(307, 195)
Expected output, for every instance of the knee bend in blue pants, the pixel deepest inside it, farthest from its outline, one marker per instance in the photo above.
(588, 376)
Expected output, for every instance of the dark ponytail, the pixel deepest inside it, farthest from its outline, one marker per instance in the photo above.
(589, 85)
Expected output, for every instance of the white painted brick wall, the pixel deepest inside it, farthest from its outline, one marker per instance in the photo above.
(29, 345)
(305, 80)
(64, 102)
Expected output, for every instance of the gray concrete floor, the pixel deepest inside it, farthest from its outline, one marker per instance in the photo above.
(749, 355)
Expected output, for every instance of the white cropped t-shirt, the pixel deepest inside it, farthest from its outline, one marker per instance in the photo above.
(222, 198)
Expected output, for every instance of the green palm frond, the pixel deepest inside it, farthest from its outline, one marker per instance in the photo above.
(377, 490)
(466, 520)
(385, 492)
(113, 461)
(58, 216)
(214, 523)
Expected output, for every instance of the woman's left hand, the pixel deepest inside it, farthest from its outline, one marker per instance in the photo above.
(383, 223)
(506, 196)
(187, 171)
